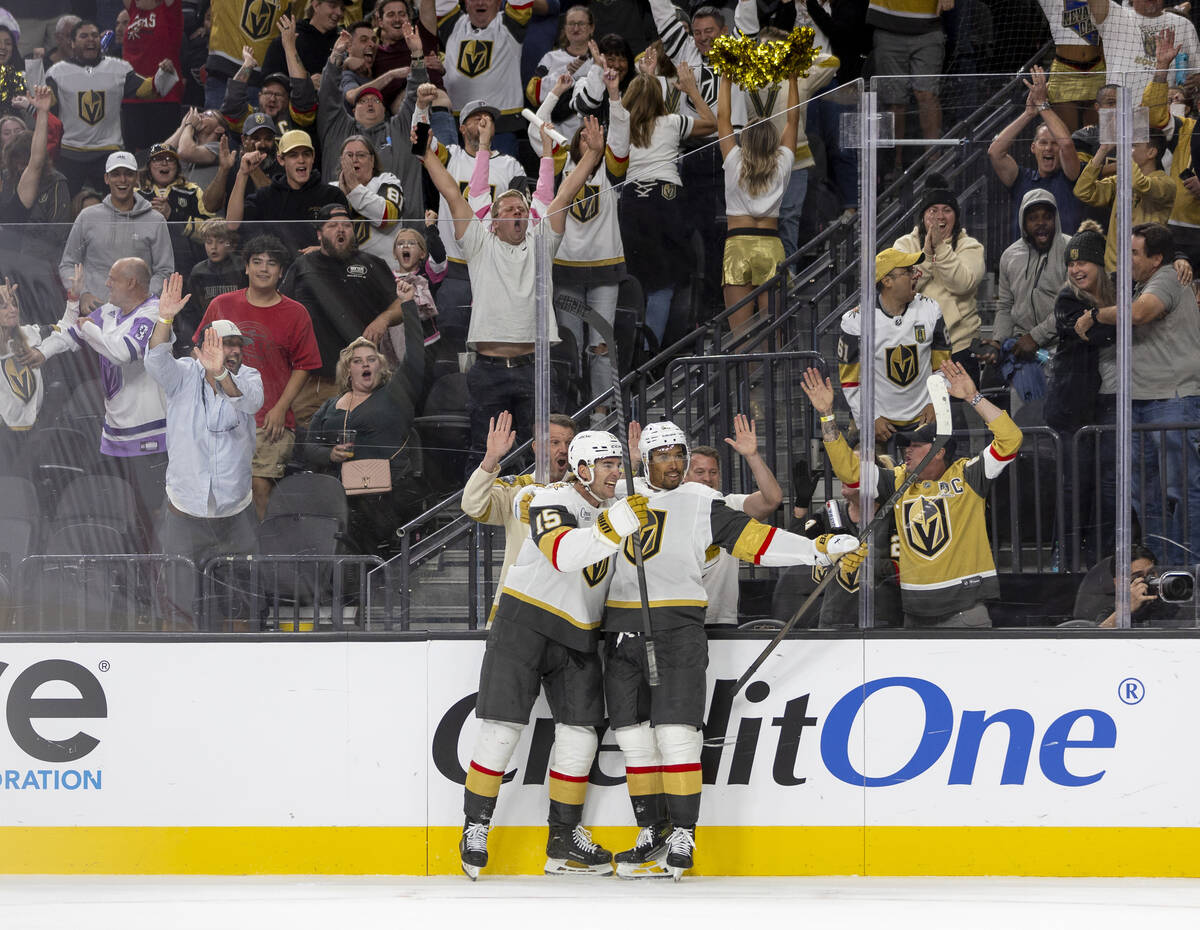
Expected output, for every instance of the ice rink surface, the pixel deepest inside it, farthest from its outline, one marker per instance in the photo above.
(300, 903)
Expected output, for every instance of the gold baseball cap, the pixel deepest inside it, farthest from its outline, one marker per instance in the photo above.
(891, 259)
(294, 139)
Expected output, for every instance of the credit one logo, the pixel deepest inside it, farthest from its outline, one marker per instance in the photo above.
(22, 708)
(939, 735)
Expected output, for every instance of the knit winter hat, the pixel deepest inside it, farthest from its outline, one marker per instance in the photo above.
(937, 190)
(1087, 245)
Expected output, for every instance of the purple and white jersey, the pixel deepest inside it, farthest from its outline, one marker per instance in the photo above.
(135, 413)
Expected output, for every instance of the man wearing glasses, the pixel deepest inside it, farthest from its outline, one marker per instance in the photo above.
(910, 344)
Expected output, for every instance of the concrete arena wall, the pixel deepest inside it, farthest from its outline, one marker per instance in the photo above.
(847, 755)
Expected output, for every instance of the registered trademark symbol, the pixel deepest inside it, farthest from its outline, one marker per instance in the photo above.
(1131, 691)
(104, 666)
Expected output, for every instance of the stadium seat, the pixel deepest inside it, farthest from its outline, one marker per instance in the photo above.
(64, 594)
(445, 433)
(57, 456)
(310, 493)
(99, 499)
(19, 521)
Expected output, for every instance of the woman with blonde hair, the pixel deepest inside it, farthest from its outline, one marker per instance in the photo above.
(757, 171)
(654, 227)
(371, 419)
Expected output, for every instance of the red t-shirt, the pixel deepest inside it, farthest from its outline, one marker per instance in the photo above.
(278, 340)
(152, 36)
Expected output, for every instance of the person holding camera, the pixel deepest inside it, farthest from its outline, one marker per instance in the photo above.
(1095, 599)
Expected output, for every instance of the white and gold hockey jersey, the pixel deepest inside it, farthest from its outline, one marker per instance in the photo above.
(945, 560)
(685, 523)
(87, 98)
(558, 583)
(908, 349)
(22, 387)
(485, 64)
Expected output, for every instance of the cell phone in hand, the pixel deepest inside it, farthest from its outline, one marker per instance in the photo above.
(422, 142)
(1187, 173)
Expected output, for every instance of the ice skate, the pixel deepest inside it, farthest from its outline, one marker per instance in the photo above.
(472, 848)
(571, 851)
(679, 851)
(645, 859)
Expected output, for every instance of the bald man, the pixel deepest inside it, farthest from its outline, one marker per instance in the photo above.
(133, 439)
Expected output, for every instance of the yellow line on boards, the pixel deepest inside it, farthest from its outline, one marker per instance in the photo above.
(741, 851)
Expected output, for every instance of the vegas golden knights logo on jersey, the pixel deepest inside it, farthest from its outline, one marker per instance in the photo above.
(902, 365)
(91, 106)
(672, 99)
(926, 523)
(475, 57)
(764, 105)
(257, 18)
(594, 574)
(20, 379)
(652, 537)
(586, 204)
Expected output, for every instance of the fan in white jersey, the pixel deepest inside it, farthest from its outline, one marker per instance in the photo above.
(545, 634)
(376, 197)
(658, 729)
(910, 344)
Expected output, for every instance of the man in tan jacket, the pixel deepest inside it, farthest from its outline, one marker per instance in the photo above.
(489, 498)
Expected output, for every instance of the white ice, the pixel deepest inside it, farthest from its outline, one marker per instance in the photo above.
(303, 902)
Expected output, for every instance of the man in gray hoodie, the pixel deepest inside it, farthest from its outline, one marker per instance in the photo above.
(388, 133)
(1032, 272)
(123, 225)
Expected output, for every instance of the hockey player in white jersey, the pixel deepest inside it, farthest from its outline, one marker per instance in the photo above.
(546, 633)
(659, 729)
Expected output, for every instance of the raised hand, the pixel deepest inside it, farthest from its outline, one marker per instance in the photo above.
(425, 94)
(287, 32)
(248, 59)
(593, 135)
(819, 390)
(211, 351)
(225, 155)
(961, 385)
(1165, 49)
(745, 436)
(563, 84)
(250, 161)
(172, 299)
(43, 98)
(500, 439)
(405, 290)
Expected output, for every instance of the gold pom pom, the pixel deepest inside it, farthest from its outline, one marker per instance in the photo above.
(12, 83)
(752, 65)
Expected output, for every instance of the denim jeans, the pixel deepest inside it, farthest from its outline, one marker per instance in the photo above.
(1166, 479)
(789, 210)
(825, 123)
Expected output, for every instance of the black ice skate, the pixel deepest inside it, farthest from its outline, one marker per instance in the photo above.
(679, 851)
(571, 851)
(645, 859)
(472, 848)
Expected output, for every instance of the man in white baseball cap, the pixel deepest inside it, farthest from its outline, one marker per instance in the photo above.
(211, 401)
(123, 225)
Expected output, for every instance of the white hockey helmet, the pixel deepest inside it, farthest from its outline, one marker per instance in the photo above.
(589, 447)
(660, 436)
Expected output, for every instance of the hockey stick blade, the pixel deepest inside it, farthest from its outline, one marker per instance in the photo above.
(579, 309)
(883, 513)
(939, 396)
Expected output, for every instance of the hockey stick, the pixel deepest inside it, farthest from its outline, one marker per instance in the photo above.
(578, 308)
(939, 395)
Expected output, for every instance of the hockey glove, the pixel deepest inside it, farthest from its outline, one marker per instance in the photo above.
(830, 546)
(851, 562)
(638, 504)
(523, 507)
(619, 520)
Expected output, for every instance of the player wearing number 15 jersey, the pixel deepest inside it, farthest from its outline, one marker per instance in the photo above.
(545, 633)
